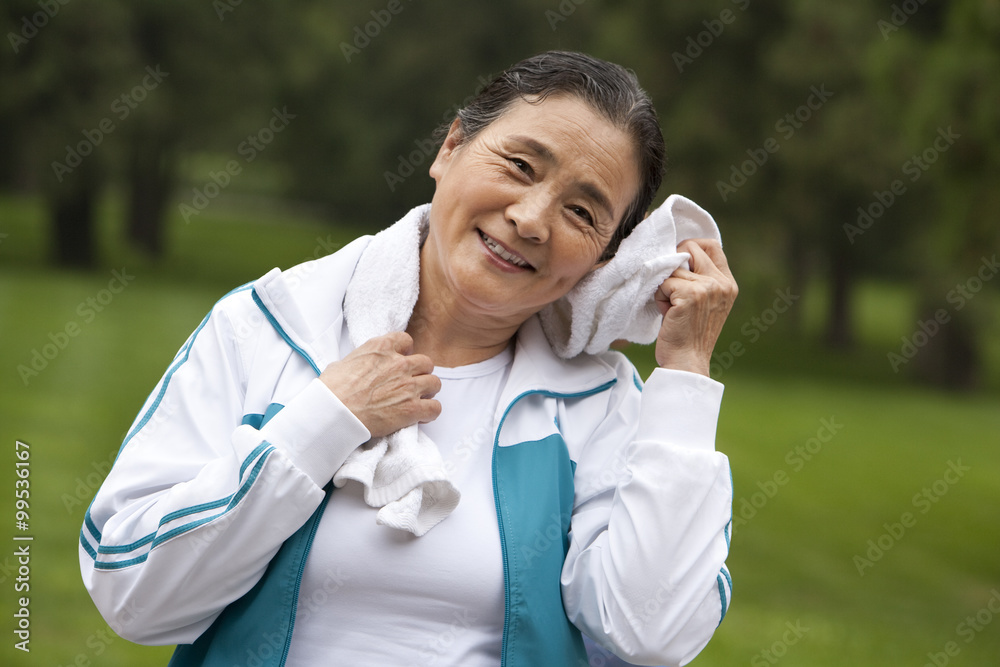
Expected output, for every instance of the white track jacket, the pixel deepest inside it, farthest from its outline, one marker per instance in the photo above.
(614, 507)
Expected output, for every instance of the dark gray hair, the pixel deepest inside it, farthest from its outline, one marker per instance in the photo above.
(610, 89)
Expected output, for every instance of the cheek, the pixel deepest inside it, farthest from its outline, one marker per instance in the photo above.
(477, 190)
(578, 254)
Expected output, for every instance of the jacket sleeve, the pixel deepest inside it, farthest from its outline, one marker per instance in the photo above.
(645, 573)
(197, 503)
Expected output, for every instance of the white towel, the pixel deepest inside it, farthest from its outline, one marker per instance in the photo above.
(403, 473)
(618, 300)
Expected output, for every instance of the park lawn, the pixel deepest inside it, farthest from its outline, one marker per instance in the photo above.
(793, 550)
(803, 519)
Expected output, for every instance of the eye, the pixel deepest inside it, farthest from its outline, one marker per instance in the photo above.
(583, 213)
(521, 165)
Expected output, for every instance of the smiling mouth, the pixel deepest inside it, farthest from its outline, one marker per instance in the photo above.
(503, 253)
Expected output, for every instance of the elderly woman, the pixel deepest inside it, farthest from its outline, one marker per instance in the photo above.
(238, 520)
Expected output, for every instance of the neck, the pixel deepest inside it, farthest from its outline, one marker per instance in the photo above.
(450, 332)
(441, 331)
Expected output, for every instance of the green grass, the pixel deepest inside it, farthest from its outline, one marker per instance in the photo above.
(792, 562)
(794, 559)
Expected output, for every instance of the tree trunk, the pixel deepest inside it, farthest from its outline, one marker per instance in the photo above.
(947, 353)
(840, 324)
(11, 169)
(72, 210)
(150, 182)
(150, 150)
(798, 268)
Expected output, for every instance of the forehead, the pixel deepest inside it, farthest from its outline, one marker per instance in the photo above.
(563, 117)
(580, 140)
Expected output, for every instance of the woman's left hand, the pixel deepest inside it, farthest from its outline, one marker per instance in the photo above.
(695, 303)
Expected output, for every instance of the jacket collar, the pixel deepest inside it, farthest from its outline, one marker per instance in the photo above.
(537, 368)
(305, 306)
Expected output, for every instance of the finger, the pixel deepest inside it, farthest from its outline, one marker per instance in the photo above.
(426, 386)
(400, 341)
(667, 291)
(430, 409)
(706, 254)
(419, 364)
(684, 274)
(678, 280)
(663, 292)
(716, 268)
(718, 257)
(703, 243)
(703, 266)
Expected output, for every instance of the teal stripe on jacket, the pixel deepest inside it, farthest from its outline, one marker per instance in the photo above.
(534, 494)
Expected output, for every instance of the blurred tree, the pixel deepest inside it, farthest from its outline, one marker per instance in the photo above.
(121, 90)
(65, 62)
(379, 83)
(830, 152)
(796, 118)
(220, 66)
(943, 76)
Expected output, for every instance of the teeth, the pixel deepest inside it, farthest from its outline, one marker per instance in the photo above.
(499, 250)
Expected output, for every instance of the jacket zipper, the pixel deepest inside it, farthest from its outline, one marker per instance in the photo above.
(496, 499)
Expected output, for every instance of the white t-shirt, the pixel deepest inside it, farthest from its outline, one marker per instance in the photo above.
(373, 595)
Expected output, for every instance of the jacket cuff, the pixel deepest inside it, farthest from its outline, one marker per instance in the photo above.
(681, 407)
(316, 432)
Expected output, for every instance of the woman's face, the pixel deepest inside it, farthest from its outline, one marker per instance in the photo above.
(524, 210)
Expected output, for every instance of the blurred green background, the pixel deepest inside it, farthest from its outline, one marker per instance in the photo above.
(850, 153)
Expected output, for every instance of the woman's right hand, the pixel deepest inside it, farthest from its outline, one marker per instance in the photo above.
(384, 385)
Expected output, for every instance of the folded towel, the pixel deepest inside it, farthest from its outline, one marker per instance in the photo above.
(403, 473)
(618, 300)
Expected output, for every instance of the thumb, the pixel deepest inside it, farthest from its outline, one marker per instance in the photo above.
(401, 342)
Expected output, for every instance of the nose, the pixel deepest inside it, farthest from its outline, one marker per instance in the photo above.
(530, 214)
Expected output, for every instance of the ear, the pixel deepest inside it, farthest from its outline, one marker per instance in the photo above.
(447, 150)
